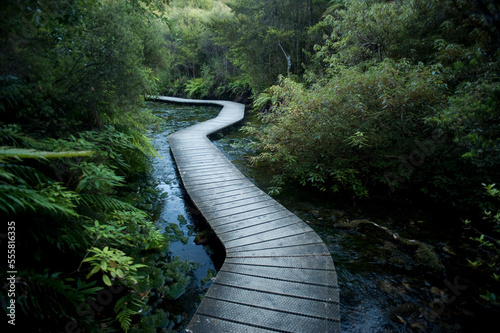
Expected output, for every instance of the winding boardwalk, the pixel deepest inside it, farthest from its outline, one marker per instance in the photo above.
(278, 275)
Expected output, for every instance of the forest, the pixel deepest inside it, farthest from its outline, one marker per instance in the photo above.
(368, 99)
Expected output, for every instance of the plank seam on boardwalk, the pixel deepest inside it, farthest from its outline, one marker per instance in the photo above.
(267, 308)
(252, 225)
(258, 288)
(274, 247)
(263, 329)
(276, 279)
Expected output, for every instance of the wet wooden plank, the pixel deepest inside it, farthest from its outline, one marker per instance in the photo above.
(278, 275)
(264, 299)
(265, 217)
(269, 231)
(305, 238)
(305, 251)
(199, 187)
(265, 318)
(206, 196)
(220, 202)
(218, 179)
(301, 275)
(316, 263)
(208, 324)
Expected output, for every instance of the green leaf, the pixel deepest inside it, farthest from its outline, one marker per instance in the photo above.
(94, 270)
(106, 279)
(104, 265)
(120, 273)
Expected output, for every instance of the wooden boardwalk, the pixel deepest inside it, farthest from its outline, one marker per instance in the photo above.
(278, 275)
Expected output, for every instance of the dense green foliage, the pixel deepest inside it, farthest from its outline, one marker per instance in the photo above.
(365, 96)
(336, 135)
(400, 97)
(72, 79)
(235, 48)
(486, 258)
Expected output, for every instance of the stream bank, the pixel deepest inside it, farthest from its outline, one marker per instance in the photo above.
(402, 266)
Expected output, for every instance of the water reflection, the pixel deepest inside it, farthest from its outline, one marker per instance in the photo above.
(175, 211)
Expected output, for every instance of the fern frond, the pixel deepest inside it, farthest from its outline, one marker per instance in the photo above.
(9, 135)
(263, 99)
(105, 203)
(137, 161)
(21, 173)
(52, 198)
(140, 141)
(10, 153)
(6, 174)
(125, 308)
(56, 295)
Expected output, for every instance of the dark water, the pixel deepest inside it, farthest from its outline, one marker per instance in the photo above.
(174, 209)
(400, 269)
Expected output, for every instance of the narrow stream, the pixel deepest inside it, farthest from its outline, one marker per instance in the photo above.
(174, 211)
(399, 269)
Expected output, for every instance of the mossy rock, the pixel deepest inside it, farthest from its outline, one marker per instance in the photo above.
(425, 256)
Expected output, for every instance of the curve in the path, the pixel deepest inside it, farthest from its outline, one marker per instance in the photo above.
(278, 275)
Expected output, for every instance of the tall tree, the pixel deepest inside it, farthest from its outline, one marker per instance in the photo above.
(265, 37)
